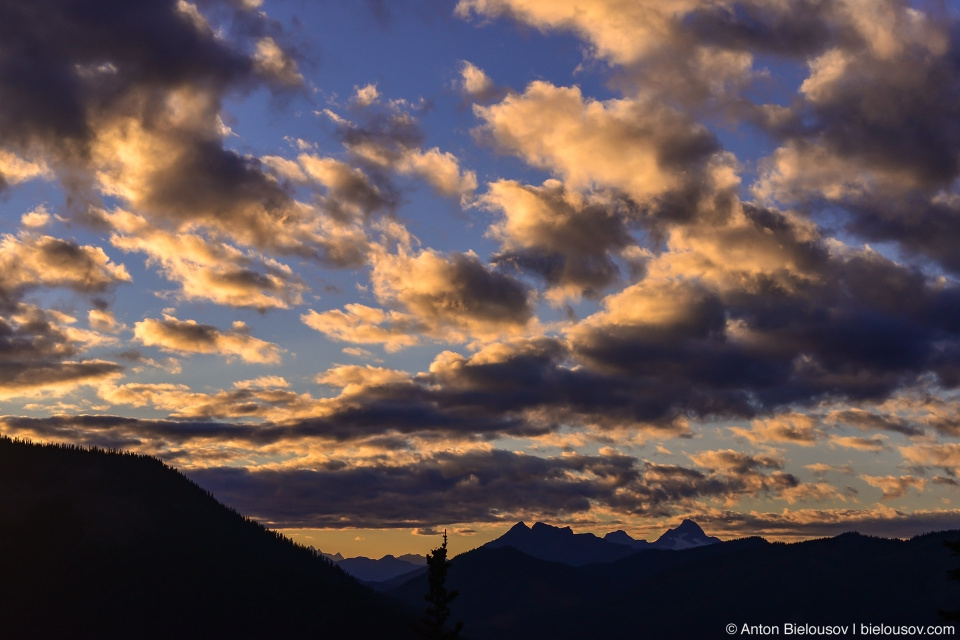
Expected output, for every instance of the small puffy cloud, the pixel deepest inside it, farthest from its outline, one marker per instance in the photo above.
(103, 320)
(477, 85)
(366, 95)
(821, 468)
(945, 456)
(262, 382)
(357, 352)
(894, 486)
(441, 170)
(873, 445)
(791, 428)
(736, 462)
(353, 379)
(30, 260)
(350, 192)
(14, 169)
(275, 64)
(187, 336)
(361, 324)
(35, 219)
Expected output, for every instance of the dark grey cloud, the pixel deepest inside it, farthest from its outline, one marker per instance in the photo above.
(866, 421)
(884, 116)
(25, 378)
(481, 293)
(565, 244)
(51, 50)
(37, 354)
(799, 28)
(443, 488)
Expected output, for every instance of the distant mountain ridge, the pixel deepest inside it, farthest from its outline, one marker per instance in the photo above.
(561, 544)
(371, 570)
(506, 594)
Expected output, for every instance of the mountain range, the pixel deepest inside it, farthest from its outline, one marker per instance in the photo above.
(505, 593)
(561, 544)
(386, 568)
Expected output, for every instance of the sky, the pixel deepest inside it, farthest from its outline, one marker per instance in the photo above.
(372, 270)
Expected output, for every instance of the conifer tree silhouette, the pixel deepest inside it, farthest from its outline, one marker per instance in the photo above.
(439, 599)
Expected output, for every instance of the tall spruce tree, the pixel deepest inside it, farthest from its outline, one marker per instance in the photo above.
(439, 599)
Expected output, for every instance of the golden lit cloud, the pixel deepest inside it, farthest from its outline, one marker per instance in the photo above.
(590, 144)
(187, 336)
(894, 486)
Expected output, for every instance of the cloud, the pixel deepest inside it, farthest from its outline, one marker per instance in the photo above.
(945, 456)
(37, 354)
(894, 486)
(102, 320)
(366, 95)
(820, 468)
(568, 240)
(477, 85)
(351, 193)
(39, 347)
(273, 62)
(35, 219)
(792, 428)
(881, 521)
(127, 104)
(448, 298)
(389, 139)
(874, 444)
(186, 336)
(867, 421)
(639, 147)
(264, 398)
(361, 324)
(14, 169)
(444, 487)
(619, 30)
(30, 260)
(455, 291)
(879, 135)
(353, 378)
(208, 269)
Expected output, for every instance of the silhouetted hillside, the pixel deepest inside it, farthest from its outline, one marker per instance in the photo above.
(695, 593)
(113, 545)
